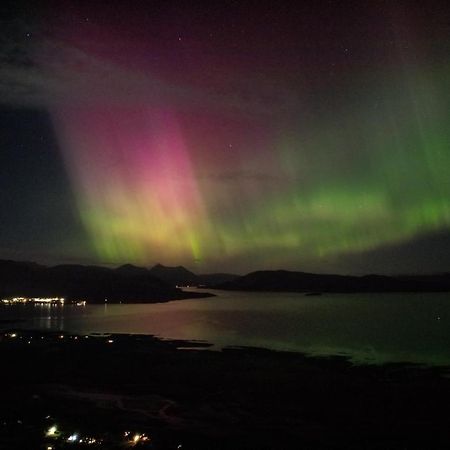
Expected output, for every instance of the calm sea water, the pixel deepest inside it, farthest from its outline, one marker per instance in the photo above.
(367, 327)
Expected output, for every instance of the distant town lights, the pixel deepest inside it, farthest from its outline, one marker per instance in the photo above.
(40, 301)
(60, 300)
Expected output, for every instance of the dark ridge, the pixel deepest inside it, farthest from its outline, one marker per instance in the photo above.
(180, 276)
(211, 279)
(127, 284)
(129, 270)
(175, 276)
(283, 280)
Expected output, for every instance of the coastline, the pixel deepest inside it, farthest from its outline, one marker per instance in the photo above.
(179, 295)
(243, 398)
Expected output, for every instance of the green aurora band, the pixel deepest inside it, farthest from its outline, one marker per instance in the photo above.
(374, 175)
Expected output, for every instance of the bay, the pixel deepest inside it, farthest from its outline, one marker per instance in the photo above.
(375, 328)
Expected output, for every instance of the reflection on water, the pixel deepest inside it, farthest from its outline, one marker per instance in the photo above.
(41, 316)
(368, 327)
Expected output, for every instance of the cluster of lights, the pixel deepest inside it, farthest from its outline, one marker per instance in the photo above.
(73, 438)
(54, 300)
(132, 438)
(136, 438)
(15, 334)
(55, 437)
(83, 440)
(40, 300)
(107, 339)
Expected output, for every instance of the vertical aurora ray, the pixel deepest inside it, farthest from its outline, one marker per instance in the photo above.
(179, 174)
(347, 186)
(137, 193)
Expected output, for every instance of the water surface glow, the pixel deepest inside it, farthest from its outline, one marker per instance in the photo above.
(367, 327)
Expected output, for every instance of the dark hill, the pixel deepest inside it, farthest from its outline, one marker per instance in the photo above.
(180, 276)
(282, 280)
(175, 276)
(92, 283)
(212, 279)
(128, 270)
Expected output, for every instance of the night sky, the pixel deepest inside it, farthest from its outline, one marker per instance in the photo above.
(229, 136)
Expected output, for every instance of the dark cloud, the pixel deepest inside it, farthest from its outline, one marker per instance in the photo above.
(37, 71)
(427, 253)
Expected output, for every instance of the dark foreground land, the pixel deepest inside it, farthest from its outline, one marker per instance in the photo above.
(118, 391)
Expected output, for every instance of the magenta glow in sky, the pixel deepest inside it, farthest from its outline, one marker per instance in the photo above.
(136, 186)
(241, 136)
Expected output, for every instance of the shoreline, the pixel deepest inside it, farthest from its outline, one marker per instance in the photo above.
(184, 295)
(236, 398)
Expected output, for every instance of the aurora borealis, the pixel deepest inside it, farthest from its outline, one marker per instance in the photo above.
(241, 137)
